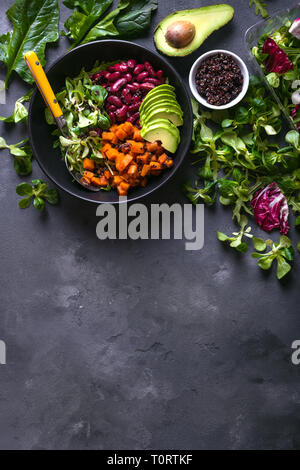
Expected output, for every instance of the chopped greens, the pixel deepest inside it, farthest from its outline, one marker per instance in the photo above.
(82, 105)
(20, 113)
(260, 7)
(22, 156)
(282, 252)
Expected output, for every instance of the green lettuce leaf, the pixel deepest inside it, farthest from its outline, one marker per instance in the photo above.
(20, 113)
(35, 23)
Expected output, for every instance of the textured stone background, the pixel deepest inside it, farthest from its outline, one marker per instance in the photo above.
(140, 344)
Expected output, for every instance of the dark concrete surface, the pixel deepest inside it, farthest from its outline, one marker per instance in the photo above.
(140, 344)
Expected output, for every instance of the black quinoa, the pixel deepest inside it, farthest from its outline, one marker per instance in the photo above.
(219, 79)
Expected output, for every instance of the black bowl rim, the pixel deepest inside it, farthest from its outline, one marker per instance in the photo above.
(131, 197)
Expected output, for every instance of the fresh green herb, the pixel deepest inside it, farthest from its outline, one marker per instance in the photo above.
(38, 193)
(282, 252)
(130, 19)
(236, 241)
(35, 23)
(20, 113)
(260, 7)
(22, 156)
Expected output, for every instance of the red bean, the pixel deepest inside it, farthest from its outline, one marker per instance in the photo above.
(133, 108)
(136, 99)
(155, 81)
(133, 118)
(147, 86)
(112, 117)
(112, 99)
(150, 69)
(126, 95)
(136, 84)
(128, 77)
(122, 68)
(111, 69)
(131, 64)
(105, 85)
(112, 108)
(141, 77)
(160, 75)
(138, 69)
(118, 85)
(132, 87)
(105, 74)
(121, 113)
(113, 77)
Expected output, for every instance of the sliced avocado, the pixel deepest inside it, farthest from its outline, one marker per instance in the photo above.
(157, 96)
(182, 32)
(163, 112)
(159, 99)
(164, 131)
(170, 104)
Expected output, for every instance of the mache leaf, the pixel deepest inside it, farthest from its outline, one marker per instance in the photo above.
(35, 23)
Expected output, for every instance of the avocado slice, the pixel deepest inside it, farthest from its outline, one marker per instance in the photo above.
(164, 131)
(156, 99)
(182, 32)
(163, 112)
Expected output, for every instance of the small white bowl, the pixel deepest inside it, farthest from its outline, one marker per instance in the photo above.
(192, 79)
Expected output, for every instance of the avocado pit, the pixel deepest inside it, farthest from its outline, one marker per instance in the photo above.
(180, 34)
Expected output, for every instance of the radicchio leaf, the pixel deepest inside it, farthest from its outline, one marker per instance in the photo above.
(295, 28)
(277, 61)
(271, 209)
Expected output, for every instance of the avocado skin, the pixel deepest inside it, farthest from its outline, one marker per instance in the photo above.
(206, 20)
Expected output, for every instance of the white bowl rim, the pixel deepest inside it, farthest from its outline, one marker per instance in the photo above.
(244, 71)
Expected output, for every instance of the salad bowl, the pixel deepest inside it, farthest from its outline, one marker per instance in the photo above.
(70, 65)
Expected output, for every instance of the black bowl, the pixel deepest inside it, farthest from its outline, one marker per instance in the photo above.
(69, 65)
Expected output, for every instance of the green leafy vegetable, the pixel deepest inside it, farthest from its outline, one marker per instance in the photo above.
(282, 252)
(37, 192)
(260, 7)
(22, 156)
(35, 23)
(84, 16)
(236, 241)
(130, 19)
(20, 113)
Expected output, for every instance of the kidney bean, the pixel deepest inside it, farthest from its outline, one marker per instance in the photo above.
(133, 118)
(138, 69)
(105, 85)
(121, 113)
(136, 99)
(147, 86)
(113, 77)
(132, 87)
(118, 85)
(155, 81)
(126, 95)
(112, 117)
(112, 99)
(160, 75)
(133, 108)
(131, 64)
(128, 77)
(122, 68)
(141, 77)
(112, 108)
(136, 84)
(111, 69)
(105, 74)
(150, 69)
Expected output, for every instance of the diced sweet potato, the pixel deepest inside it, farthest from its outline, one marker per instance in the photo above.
(145, 170)
(122, 162)
(136, 147)
(132, 170)
(110, 136)
(88, 164)
(162, 158)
